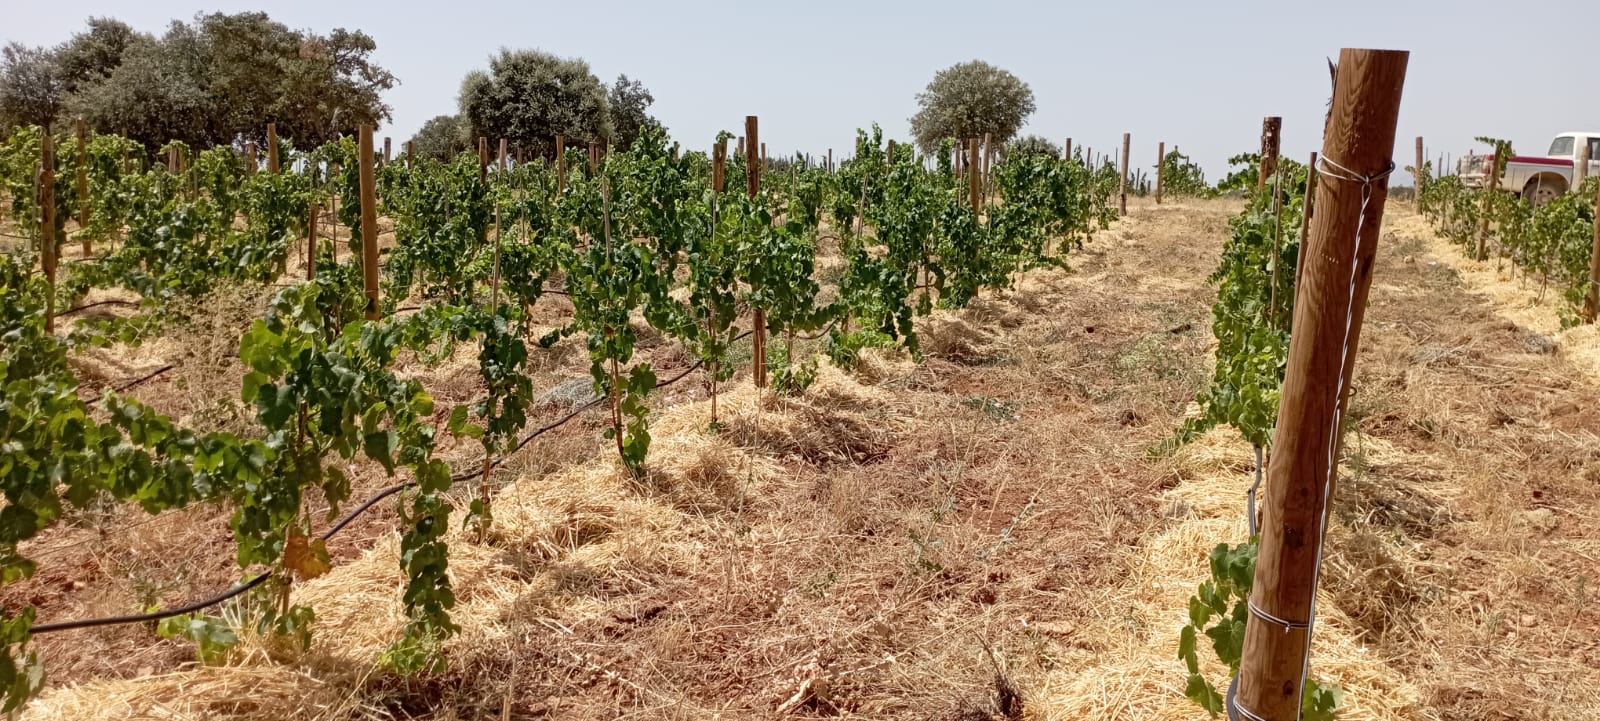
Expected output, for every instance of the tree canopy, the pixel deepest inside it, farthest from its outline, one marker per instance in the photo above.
(967, 100)
(530, 96)
(1033, 145)
(441, 138)
(215, 80)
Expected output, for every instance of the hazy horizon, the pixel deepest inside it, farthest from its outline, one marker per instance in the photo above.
(1197, 77)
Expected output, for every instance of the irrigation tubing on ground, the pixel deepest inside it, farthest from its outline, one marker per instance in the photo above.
(87, 306)
(332, 530)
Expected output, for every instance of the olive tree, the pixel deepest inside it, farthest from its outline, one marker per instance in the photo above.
(529, 96)
(441, 138)
(628, 107)
(1033, 145)
(967, 100)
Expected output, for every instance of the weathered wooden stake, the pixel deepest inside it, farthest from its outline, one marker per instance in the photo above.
(311, 243)
(83, 187)
(561, 164)
(369, 224)
(988, 161)
(483, 160)
(49, 251)
(972, 174)
(594, 157)
(752, 169)
(501, 161)
(386, 154)
(1305, 223)
(1122, 202)
(888, 153)
(1495, 163)
(250, 159)
(1271, 132)
(1161, 169)
(1417, 180)
(1067, 155)
(1580, 172)
(1322, 352)
(719, 165)
(1591, 302)
(272, 148)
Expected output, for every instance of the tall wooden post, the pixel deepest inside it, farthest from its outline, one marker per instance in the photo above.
(830, 160)
(83, 187)
(1305, 222)
(1161, 169)
(972, 175)
(386, 154)
(888, 152)
(594, 157)
(561, 164)
(500, 162)
(1580, 172)
(311, 242)
(1591, 302)
(369, 224)
(1067, 154)
(483, 160)
(410, 154)
(765, 163)
(250, 159)
(49, 251)
(988, 159)
(1122, 201)
(1418, 179)
(719, 165)
(1496, 162)
(752, 170)
(1271, 132)
(1322, 352)
(272, 148)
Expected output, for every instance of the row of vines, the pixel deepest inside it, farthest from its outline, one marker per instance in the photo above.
(1551, 243)
(645, 238)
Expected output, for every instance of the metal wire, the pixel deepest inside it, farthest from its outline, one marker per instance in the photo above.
(328, 534)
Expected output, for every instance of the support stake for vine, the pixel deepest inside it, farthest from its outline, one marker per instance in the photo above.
(369, 225)
(1327, 327)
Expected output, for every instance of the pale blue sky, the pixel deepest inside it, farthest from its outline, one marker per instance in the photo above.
(1199, 75)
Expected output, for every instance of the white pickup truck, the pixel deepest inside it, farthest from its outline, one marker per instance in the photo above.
(1538, 179)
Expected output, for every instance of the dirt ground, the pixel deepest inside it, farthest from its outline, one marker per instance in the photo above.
(983, 535)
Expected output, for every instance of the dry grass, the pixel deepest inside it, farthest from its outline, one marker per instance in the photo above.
(985, 535)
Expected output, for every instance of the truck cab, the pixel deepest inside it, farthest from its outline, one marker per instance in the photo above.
(1538, 179)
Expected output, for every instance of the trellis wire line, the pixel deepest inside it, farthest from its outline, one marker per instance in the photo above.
(335, 528)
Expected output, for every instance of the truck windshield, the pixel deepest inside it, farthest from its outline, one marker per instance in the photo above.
(1562, 147)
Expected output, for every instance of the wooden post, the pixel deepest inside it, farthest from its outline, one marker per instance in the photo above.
(386, 155)
(369, 223)
(83, 187)
(1068, 153)
(410, 154)
(1305, 223)
(972, 174)
(1483, 215)
(1322, 352)
(988, 158)
(830, 160)
(1271, 131)
(1417, 180)
(561, 164)
(311, 243)
(272, 148)
(766, 164)
(752, 170)
(1122, 202)
(501, 161)
(1580, 172)
(483, 160)
(1591, 302)
(594, 157)
(719, 166)
(888, 153)
(1161, 169)
(49, 251)
(250, 159)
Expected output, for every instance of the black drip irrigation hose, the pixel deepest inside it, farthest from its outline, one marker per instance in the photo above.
(366, 505)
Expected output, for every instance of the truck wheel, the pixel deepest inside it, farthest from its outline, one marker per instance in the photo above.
(1542, 190)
